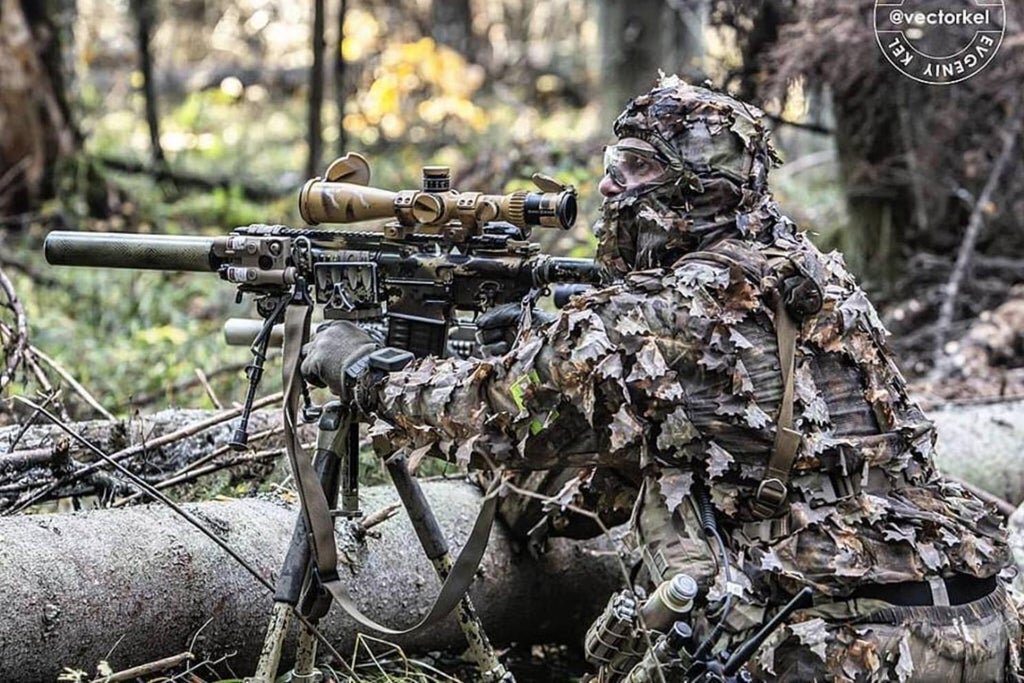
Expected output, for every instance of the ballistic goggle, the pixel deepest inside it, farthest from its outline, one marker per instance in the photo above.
(630, 165)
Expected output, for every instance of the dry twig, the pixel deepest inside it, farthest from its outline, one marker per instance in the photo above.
(380, 516)
(23, 429)
(209, 390)
(146, 669)
(14, 348)
(137, 449)
(194, 473)
(180, 476)
(974, 225)
(75, 384)
(189, 383)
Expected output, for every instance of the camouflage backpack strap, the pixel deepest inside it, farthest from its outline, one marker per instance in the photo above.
(798, 293)
(774, 488)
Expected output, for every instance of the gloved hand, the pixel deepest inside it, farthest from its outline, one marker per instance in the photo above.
(338, 344)
(496, 329)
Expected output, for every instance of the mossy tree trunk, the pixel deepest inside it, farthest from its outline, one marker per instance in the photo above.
(452, 25)
(132, 586)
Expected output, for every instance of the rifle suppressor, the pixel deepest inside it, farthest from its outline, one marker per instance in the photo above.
(145, 252)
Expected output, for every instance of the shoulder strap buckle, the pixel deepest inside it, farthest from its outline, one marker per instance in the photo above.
(771, 494)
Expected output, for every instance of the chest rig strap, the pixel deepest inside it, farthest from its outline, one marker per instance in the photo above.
(774, 488)
(799, 294)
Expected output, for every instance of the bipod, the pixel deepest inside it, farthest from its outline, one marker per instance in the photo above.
(299, 588)
(481, 652)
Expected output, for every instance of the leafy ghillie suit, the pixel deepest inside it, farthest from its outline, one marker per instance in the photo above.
(668, 386)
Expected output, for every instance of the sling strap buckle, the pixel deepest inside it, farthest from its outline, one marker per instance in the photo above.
(771, 494)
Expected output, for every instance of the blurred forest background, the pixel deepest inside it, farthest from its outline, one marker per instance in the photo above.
(200, 115)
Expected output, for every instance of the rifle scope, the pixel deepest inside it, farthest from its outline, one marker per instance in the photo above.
(331, 200)
(144, 252)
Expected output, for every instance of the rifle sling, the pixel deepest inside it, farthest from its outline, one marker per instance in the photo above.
(774, 488)
(316, 511)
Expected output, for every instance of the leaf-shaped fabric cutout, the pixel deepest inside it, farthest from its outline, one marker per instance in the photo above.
(648, 364)
(632, 324)
(676, 430)
(719, 460)
(812, 634)
(738, 340)
(593, 343)
(625, 429)
(755, 417)
(741, 383)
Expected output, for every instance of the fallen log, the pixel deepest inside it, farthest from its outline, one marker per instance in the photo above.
(984, 445)
(131, 586)
(38, 443)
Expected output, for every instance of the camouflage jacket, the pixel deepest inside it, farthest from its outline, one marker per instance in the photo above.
(673, 376)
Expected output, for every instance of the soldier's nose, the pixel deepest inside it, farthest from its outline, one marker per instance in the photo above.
(608, 187)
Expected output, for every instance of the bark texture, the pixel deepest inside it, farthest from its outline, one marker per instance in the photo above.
(35, 125)
(639, 38)
(140, 583)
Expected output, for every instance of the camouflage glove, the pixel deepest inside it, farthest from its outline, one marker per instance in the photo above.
(337, 346)
(496, 329)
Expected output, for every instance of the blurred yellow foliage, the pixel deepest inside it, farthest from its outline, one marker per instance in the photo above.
(361, 33)
(797, 103)
(420, 79)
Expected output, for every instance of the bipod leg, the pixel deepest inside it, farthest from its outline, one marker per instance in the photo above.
(481, 652)
(273, 644)
(297, 586)
(305, 670)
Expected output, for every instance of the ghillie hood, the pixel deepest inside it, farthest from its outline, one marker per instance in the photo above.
(717, 155)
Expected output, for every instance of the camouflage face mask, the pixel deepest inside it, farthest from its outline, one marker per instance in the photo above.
(637, 233)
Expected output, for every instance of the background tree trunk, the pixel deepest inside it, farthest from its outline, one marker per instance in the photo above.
(145, 24)
(638, 38)
(452, 25)
(316, 92)
(141, 583)
(36, 124)
(880, 204)
(340, 92)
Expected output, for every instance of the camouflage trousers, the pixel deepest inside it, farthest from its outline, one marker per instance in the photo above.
(977, 641)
